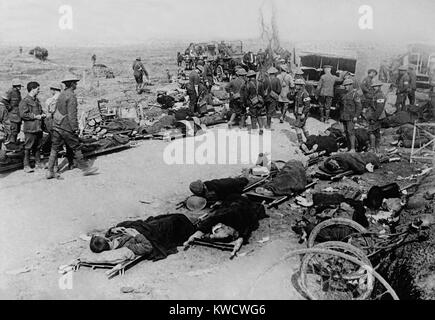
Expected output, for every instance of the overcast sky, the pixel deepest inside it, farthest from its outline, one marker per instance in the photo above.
(29, 22)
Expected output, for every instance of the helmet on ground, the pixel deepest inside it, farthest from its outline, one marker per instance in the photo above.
(195, 203)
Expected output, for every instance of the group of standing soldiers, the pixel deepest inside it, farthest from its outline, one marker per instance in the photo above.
(58, 119)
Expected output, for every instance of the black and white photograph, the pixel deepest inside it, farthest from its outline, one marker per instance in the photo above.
(217, 150)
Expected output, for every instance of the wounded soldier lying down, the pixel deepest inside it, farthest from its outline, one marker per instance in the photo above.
(155, 237)
(236, 218)
(358, 163)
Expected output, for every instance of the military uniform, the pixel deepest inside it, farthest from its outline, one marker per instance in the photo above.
(255, 103)
(271, 90)
(5, 125)
(301, 111)
(326, 93)
(194, 80)
(351, 108)
(138, 71)
(368, 92)
(374, 115)
(14, 97)
(29, 108)
(236, 88)
(403, 89)
(208, 76)
(65, 131)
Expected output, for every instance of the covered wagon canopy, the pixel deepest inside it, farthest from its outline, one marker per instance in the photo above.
(339, 60)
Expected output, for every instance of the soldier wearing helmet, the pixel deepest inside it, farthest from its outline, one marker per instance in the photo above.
(302, 108)
(286, 83)
(254, 102)
(403, 87)
(138, 72)
(375, 113)
(350, 112)
(271, 87)
(367, 89)
(236, 88)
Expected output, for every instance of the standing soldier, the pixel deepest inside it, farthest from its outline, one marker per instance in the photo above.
(325, 90)
(413, 85)
(403, 88)
(367, 89)
(5, 126)
(138, 72)
(179, 59)
(14, 97)
(272, 92)
(32, 115)
(66, 129)
(350, 112)
(254, 102)
(374, 114)
(94, 59)
(286, 83)
(301, 110)
(208, 74)
(193, 87)
(235, 89)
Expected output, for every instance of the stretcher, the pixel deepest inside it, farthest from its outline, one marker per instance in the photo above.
(232, 247)
(114, 269)
(322, 175)
(274, 201)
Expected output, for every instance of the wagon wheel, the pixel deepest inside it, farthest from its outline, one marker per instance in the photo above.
(220, 73)
(336, 275)
(341, 229)
(334, 278)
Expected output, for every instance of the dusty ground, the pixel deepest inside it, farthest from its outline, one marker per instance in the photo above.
(42, 220)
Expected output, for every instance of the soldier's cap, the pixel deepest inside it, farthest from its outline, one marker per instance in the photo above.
(373, 70)
(138, 58)
(56, 87)
(300, 82)
(377, 84)
(241, 72)
(272, 70)
(16, 83)
(403, 68)
(347, 82)
(210, 59)
(200, 68)
(251, 73)
(299, 72)
(161, 91)
(70, 78)
(327, 66)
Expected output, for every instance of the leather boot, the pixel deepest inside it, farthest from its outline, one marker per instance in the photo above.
(26, 161)
(352, 143)
(52, 163)
(242, 121)
(83, 165)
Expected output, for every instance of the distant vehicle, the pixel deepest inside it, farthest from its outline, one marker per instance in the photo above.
(311, 63)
